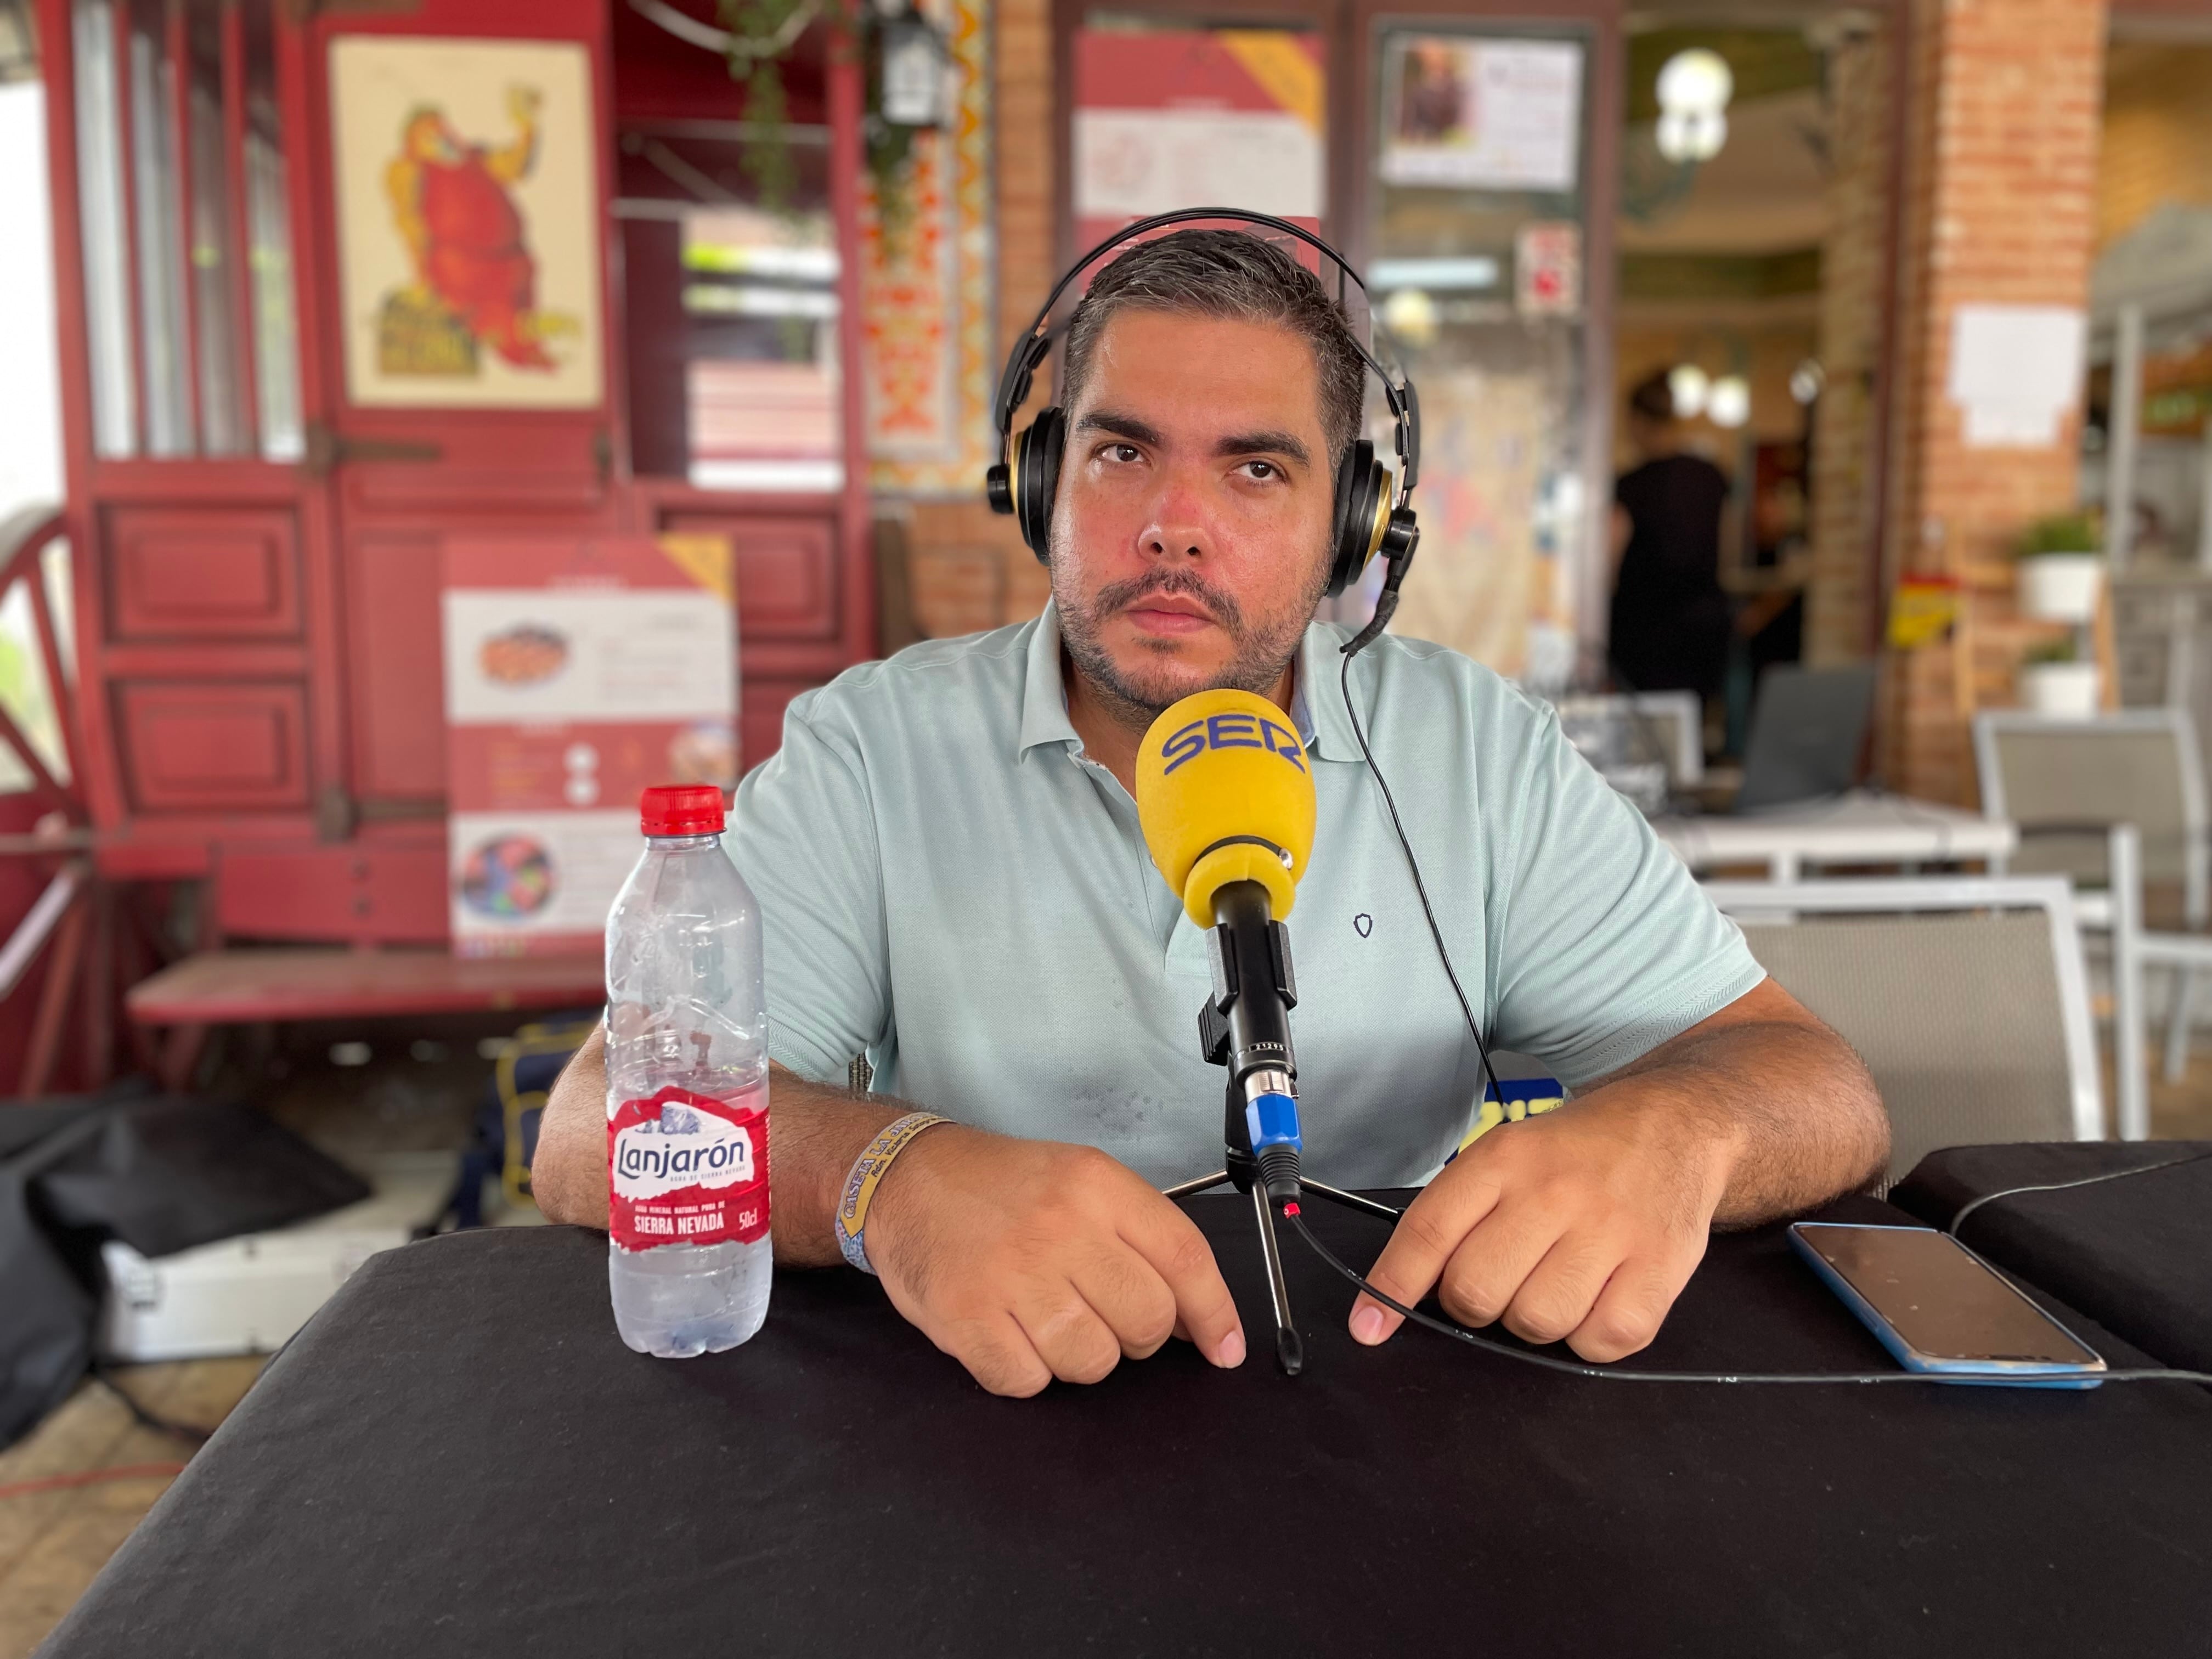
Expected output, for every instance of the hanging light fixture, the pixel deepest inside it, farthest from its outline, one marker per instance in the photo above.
(912, 91)
(1687, 387)
(1728, 403)
(1695, 86)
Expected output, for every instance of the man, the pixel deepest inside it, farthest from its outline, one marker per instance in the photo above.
(1670, 622)
(951, 869)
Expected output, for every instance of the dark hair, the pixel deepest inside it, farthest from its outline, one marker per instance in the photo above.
(1654, 397)
(1229, 274)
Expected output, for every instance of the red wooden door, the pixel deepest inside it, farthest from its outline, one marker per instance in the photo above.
(335, 283)
(205, 592)
(467, 372)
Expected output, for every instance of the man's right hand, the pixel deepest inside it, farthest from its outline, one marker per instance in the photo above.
(1031, 1259)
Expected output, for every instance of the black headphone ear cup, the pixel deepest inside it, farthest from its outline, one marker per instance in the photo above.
(1361, 485)
(1036, 479)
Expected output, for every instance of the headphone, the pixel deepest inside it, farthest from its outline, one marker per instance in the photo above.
(1371, 516)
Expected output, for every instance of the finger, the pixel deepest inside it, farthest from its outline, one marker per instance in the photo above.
(998, 1354)
(1629, 1310)
(1560, 1290)
(1069, 1336)
(1433, 1227)
(1496, 1258)
(1133, 1299)
(1170, 1243)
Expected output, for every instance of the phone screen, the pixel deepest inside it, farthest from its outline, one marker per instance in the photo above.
(1942, 1300)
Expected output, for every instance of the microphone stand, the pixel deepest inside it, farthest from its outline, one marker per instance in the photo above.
(1243, 1026)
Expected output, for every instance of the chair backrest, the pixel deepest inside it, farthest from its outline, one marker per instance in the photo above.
(1668, 727)
(2062, 781)
(1966, 996)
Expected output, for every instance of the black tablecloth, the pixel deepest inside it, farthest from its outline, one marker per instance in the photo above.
(2133, 1253)
(456, 1457)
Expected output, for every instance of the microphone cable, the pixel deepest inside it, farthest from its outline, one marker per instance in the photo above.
(1292, 1214)
(1358, 643)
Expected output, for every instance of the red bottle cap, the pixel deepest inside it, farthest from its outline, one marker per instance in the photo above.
(681, 809)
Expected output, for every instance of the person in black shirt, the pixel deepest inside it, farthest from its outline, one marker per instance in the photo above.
(1671, 622)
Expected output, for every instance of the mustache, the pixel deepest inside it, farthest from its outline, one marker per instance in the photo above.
(1121, 596)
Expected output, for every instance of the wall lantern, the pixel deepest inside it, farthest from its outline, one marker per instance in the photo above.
(911, 93)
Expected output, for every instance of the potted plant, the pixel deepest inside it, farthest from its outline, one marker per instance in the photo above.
(2062, 568)
(2052, 682)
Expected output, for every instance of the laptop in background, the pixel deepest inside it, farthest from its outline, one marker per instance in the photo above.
(1807, 728)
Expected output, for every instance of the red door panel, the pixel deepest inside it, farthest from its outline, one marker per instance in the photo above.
(181, 574)
(760, 722)
(398, 676)
(786, 572)
(215, 747)
(367, 893)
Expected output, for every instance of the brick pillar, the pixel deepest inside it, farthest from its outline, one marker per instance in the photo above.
(1842, 588)
(969, 569)
(2001, 208)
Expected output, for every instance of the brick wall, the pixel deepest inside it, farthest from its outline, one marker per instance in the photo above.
(969, 568)
(1843, 586)
(2000, 208)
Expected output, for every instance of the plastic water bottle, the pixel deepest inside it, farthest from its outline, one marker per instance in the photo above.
(688, 1251)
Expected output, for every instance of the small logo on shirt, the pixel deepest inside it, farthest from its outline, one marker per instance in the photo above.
(1363, 924)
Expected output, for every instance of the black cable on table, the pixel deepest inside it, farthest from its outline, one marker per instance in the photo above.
(1959, 1219)
(1614, 1373)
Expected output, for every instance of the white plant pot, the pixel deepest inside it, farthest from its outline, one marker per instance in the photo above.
(2061, 587)
(2067, 690)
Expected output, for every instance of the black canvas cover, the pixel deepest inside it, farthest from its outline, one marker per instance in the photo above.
(163, 1173)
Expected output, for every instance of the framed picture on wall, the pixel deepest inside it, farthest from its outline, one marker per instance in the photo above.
(469, 225)
(1471, 114)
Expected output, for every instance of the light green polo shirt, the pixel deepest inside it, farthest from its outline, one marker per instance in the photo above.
(950, 886)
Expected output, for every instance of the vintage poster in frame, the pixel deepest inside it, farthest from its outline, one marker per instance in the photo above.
(468, 215)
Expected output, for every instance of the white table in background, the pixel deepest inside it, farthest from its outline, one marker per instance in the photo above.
(1860, 827)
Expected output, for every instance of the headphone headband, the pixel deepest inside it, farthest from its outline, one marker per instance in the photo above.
(1035, 342)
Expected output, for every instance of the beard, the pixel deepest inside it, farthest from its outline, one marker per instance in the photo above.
(1261, 647)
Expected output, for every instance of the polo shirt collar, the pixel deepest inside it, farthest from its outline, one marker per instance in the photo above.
(1316, 703)
(1044, 693)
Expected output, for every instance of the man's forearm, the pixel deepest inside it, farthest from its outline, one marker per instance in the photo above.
(1803, 1117)
(815, 1132)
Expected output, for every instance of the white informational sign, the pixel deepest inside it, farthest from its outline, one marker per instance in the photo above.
(578, 672)
(1130, 164)
(1548, 268)
(1474, 114)
(2015, 372)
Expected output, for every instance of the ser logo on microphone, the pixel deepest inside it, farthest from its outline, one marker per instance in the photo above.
(1232, 732)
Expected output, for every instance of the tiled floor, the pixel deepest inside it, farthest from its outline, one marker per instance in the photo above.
(53, 1541)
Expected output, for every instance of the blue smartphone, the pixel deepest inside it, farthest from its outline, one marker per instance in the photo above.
(1941, 1308)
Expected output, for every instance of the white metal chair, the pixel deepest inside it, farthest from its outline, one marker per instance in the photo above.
(2069, 784)
(1966, 995)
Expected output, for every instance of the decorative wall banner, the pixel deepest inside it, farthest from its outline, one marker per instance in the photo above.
(468, 222)
(1170, 118)
(577, 673)
(929, 292)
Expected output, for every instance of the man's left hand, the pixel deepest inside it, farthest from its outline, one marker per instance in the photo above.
(1583, 1224)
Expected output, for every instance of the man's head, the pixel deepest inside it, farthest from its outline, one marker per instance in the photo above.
(1211, 385)
(1652, 430)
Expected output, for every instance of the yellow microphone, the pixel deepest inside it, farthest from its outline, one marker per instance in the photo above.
(1223, 795)
(1227, 805)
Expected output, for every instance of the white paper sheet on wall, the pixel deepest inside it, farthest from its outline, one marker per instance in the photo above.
(2015, 372)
